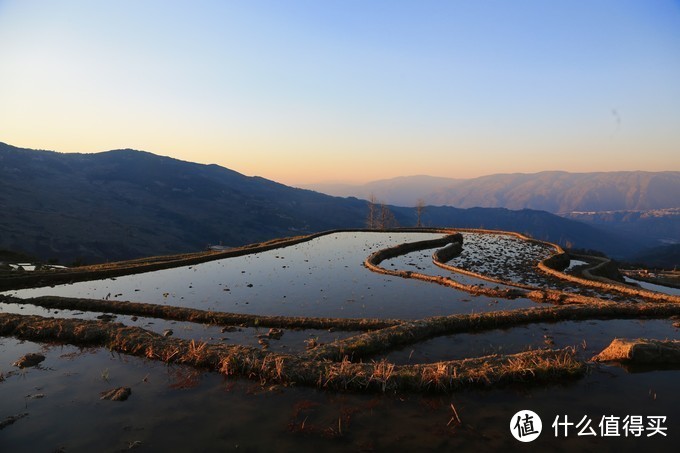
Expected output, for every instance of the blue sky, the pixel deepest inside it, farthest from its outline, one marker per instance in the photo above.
(311, 91)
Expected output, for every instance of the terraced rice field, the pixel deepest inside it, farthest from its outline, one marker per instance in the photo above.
(314, 345)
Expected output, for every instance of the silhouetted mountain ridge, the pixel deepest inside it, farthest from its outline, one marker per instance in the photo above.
(124, 203)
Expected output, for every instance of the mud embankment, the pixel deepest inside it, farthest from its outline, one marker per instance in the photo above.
(269, 368)
(602, 283)
(138, 266)
(374, 260)
(200, 316)
(412, 332)
(641, 351)
(454, 243)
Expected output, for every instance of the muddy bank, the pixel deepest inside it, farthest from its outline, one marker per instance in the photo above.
(391, 252)
(603, 283)
(199, 316)
(411, 332)
(12, 419)
(641, 351)
(448, 252)
(141, 265)
(381, 335)
(454, 244)
(149, 264)
(454, 241)
(532, 366)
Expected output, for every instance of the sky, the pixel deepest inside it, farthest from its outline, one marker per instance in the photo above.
(349, 91)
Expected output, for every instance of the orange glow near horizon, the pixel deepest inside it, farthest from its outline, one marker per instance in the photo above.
(311, 93)
(361, 166)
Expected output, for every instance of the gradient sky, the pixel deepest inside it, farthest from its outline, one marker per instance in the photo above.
(311, 91)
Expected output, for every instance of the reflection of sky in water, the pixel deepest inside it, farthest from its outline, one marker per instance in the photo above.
(167, 399)
(573, 264)
(292, 340)
(589, 337)
(321, 277)
(653, 287)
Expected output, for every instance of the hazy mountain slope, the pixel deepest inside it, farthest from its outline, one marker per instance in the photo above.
(124, 204)
(566, 192)
(549, 191)
(401, 191)
(660, 224)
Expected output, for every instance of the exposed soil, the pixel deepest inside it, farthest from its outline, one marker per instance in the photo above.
(199, 316)
(29, 360)
(11, 419)
(117, 394)
(641, 351)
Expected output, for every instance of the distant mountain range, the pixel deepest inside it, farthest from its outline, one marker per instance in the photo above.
(125, 204)
(552, 191)
(662, 225)
(644, 205)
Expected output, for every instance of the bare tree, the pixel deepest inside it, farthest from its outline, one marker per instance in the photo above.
(371, 220)
(420, 208)
(387, 219)
(379, 215)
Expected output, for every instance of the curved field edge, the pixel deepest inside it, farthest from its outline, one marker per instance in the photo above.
(553, 266)
(549, 267)
(452, 245)
(199, 316)
(330, 365)
(531, 366)
(411, 332)
(150, 264)
(380, 335)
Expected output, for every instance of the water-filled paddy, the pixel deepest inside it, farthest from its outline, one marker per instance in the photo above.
(654, 287)
(587, 337)
(321, 277)
(502, 256)
(175, 407)
(421, 261)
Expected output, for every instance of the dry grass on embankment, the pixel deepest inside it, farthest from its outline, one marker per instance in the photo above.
(641, 352)
(411, 332)
(380, 335)
(605, 284)
(452, 245)
(200, 316)
(138, 266)
(329, 365)
(531, 366)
